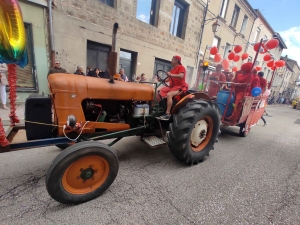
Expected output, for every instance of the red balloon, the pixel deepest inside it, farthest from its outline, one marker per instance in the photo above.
(214, 50)
(245, 56)
(262, 47)
(231, 56)
(234, 69)
(217, 58)
(225, 63)
(237, 49)
(273, 67)
(236, 58)
(270, 63)
(273, 43)
(280, 63)
(267, 57)
(258, 68)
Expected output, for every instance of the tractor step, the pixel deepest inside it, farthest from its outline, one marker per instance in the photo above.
(154, 142)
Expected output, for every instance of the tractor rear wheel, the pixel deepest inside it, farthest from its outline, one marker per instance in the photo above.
(81, 172)
(194, 131)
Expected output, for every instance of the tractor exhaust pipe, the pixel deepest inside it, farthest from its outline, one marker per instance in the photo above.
(113, 55)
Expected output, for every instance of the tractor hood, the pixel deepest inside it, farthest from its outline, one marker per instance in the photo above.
(86, 87)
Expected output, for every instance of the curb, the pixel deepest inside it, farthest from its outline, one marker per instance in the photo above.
(7, 122)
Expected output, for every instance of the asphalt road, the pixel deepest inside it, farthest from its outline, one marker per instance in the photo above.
(252, 180)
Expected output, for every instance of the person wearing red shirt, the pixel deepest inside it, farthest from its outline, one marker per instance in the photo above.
(214, 87)
(242, 78)
(256, 81)
(263, 85)
(263, 82)
(178, 74)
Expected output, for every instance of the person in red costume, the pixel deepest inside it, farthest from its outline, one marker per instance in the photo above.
(256, 81)
(216, 76)
(177, 73)
(263, 82)
(263, 85)
(242, 80)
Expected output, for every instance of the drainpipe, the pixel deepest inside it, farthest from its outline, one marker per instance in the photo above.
(51, 32)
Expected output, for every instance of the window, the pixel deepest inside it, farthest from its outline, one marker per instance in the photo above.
(224, 8)
(227, 48)
(249, 59)
(147, 11)
(97, 55)
(128, 63)
(235, 16)
(257, 33)
(26, 80)
(160, 64)
(108, 2)
(216, 42)
(244, 24)
(178, 16)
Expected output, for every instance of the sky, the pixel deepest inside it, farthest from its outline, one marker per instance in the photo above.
(284, 18)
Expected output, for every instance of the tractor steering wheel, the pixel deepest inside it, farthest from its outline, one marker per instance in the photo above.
(160, 74)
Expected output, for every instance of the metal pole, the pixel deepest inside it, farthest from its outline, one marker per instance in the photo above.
(202, 69)
(201, 34)
(51, 32)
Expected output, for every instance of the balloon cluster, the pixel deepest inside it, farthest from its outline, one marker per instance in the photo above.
(12, 52)
(262, 48)
(232, 56)
(271, 44)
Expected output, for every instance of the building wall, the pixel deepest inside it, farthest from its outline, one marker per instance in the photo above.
(35, 15)
(254, 38)
(226, 33)
(76, 22)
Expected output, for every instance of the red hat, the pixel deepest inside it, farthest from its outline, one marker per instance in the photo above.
(247, 67)
(178, 58)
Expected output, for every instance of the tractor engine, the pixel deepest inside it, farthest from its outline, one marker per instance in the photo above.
(97, 100)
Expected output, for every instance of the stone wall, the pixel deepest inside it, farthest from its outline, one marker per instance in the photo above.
(75, 22)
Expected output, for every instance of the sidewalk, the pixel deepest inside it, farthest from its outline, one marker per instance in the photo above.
(4, 114)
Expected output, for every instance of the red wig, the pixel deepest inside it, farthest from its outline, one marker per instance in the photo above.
(247, 67)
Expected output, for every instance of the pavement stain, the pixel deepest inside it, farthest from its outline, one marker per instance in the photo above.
(289, 197)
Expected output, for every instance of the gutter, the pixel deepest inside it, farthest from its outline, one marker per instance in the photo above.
(51, 32)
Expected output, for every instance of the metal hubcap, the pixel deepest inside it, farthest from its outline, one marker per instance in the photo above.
(199, 133)
(87, 174)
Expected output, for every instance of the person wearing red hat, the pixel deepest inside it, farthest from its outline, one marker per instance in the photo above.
(243, 77)
(178, 74)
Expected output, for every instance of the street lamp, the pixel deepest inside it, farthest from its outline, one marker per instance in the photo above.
(215, 26)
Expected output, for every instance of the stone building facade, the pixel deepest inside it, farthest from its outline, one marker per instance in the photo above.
(281, 80)
(150, 33)
(291, 88)
(236, 19)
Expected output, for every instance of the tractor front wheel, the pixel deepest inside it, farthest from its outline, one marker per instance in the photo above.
(81, 172)
(194, 131)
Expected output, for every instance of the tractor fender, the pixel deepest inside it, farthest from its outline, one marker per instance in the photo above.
(187, 98)
(182, 103)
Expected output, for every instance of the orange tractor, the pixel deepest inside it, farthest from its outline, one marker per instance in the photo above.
(82, 110)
